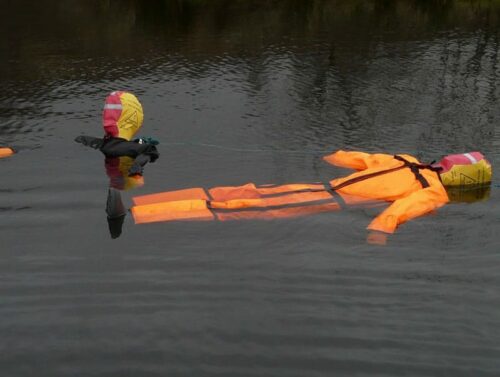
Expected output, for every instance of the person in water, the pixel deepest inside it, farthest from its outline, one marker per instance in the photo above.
(122, 118)
(125, 157)
(413, 189)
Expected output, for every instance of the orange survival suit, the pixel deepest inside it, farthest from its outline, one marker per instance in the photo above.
(413, 188)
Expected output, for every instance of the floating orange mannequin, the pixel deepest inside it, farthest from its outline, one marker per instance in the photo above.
(413, 188)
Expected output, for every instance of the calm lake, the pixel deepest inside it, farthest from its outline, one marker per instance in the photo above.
(236, 92)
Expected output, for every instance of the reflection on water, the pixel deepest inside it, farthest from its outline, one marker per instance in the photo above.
(237, 92)
(319, 71)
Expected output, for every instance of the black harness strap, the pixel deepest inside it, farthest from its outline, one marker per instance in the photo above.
(340, 201)
(414, 167)
(272, 207)
(365, 177)
(284, 193)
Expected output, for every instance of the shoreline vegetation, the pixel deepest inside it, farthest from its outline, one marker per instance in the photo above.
(68, 40)
(331, 43)
(217, 26)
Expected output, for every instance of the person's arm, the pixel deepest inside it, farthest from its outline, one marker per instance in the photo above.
(142, 153)
(90, 141)
(357, 160)
(138, 165)
(416, 204)
(117, 147)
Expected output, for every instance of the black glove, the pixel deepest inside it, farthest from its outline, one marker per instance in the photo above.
(135, 169)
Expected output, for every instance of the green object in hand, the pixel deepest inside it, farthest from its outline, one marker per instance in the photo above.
(146, 140)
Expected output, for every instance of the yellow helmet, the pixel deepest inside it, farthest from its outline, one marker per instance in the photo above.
(464, 169)
(122, 116)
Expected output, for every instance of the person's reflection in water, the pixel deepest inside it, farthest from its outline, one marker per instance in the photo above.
(124, 157)
(117, 169)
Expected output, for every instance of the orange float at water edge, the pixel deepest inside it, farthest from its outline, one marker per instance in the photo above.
(5, 152)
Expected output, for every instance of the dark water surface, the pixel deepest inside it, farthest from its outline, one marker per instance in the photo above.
(237, 92)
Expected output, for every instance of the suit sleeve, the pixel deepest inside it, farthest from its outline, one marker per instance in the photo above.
(417, 204)
(357, 160)
(141, 153)
(147, 153)
(120, 147)
(89, 141)
(138, 165)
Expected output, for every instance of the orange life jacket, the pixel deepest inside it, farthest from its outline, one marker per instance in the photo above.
(414, 188)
